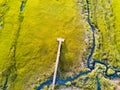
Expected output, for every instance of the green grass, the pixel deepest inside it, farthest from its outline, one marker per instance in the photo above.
(106, 17)
(29, 46)
(28, 40)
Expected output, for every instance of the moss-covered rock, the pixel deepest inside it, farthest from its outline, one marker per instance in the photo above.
(68, 83)
(110, 71)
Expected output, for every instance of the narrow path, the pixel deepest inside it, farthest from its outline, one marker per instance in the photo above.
(117, 83)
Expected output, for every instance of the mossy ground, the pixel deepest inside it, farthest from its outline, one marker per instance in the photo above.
(28, 43)
(105, 18)
(28, 40)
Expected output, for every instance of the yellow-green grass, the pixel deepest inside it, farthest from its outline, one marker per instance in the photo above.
(11, 24)
(28, 40)
(29, 46)
(106, 17)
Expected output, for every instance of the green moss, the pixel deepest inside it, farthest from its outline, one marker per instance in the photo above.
(68, 83)
(110, 71)
(28, 39)
(118, 73)
(45, 88)
(100, 68)
(106, 84)
(28, 43)
(105, 17)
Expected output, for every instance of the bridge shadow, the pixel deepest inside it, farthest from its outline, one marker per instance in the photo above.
(64, 65)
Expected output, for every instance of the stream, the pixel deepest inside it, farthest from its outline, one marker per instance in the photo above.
(90, 62)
